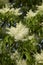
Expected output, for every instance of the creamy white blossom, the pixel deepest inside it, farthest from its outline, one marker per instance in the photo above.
(15, 56)
(30, 14)
(21, 62)
(31, 37)
(20, 32)
(4, 10)
(12, 10)
(39, 57)
(40, 8)
(17, 11)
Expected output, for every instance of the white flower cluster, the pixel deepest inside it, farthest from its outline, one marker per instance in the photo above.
(21, 62)
(30, 14)
(31, 37)
(12, 10)
(4, 10)
(15, 56)
(19, 33)
(39, 57)
(16, 11)
(40, 8)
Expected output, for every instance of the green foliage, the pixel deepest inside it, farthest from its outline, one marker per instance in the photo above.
(5, 58)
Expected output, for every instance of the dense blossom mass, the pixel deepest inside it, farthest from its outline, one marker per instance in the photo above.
(19, 32)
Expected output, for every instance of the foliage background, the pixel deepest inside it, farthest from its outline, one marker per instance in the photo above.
(21, 32)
